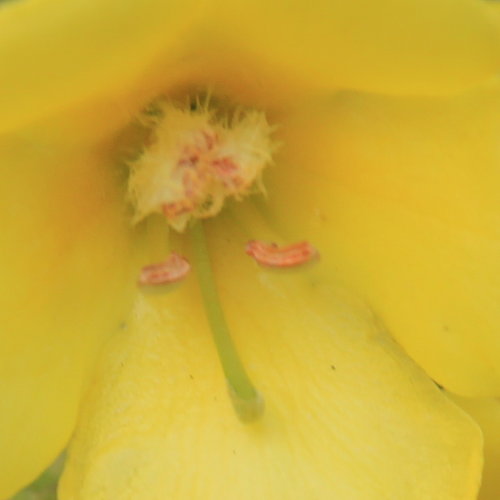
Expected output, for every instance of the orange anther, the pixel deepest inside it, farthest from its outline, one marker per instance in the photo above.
(175, 268)
(270, 254)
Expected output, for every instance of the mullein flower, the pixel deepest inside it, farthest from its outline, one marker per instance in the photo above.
(377, 128)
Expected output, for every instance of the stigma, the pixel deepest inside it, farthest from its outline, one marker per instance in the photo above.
(195, 158)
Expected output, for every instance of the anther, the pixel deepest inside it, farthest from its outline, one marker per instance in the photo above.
(174, 269)
(272, 255)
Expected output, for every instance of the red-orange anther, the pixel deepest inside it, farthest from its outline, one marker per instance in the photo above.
(270, 254)
(175, 268)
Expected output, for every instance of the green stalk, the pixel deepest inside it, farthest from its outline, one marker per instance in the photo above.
(246, 400)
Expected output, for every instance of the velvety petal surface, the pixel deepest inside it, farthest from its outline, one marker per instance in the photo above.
(86, 48)
(73, 50)
(394, 46)
(348, 415)
(65, 274)
(486, 412)
(401, 197)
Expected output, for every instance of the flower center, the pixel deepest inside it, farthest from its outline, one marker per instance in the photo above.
(196, 159)
(193, 160)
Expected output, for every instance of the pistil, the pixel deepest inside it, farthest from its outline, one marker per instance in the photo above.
(246, 400)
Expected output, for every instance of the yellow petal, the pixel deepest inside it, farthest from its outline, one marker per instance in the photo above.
(401, 196)
(402, 46)
(486, 412)
(54, 53)
(347, 416)
(66, 257)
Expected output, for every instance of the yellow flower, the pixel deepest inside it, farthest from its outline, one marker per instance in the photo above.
(388, 164)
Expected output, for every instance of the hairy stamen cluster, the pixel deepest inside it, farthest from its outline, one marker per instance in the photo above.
(195, 160)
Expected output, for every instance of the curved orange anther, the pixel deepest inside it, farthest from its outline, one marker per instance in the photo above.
(175, 268)
(270, 254)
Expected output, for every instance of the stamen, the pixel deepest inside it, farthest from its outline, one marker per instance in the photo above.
(175, 268)
(195, 159)
(247, 402)
(270, 254)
